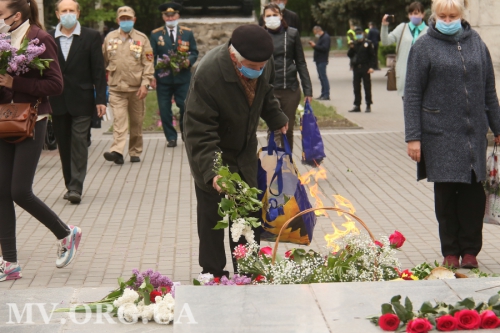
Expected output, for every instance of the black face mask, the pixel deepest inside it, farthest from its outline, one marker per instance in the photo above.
(4, 27)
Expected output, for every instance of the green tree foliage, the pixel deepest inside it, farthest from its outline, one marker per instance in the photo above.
(92, 12)
(334, 15)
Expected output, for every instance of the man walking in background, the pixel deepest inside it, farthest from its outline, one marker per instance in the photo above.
(321, 55)
(82, 66)
(374, 37)
(129, 62)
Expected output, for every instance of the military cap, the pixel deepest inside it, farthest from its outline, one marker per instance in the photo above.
(170, 8)
(253, 42)
(125, 11)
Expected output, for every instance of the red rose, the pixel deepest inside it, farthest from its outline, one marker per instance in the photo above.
(489, 320)
(153, 295)
(468, 319)
(379, 244)
(389, 322)
(217, 280)
(418, 325)
(446, 323)
(266, 251)
(288, 254)
(397, 239)
(260, 278)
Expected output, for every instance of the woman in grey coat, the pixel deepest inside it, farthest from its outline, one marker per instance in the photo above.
(450, 101)
(289, 60)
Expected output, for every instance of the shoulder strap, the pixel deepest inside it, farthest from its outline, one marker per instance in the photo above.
(401, 38)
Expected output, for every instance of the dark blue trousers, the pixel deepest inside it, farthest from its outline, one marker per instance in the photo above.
(325, 85)
(164, 95)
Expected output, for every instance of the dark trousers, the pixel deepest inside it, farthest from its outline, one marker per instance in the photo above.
(71, 135)
(164, 94)
(289, 101)
(360, 72)
(212, 257)
(460, 212)
(323, 78)
(18, 164)
(375, 49)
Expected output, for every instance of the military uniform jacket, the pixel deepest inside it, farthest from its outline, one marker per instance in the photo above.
(218, 117)
(363, 54)
(161, 44)
(129, 62)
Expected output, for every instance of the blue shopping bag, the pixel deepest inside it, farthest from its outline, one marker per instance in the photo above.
(313, 150)
(283, 196)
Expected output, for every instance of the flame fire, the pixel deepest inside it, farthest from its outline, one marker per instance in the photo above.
(316, 174)
(349, 225)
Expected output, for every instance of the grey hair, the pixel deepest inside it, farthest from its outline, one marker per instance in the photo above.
(59, 2)
(317, 27)
(238, 56)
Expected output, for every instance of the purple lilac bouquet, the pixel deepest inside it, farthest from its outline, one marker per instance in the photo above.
(18, 61)
(155, 278)
(172, 63)
(210, 280)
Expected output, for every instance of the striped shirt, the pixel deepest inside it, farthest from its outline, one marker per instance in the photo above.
(66, 41)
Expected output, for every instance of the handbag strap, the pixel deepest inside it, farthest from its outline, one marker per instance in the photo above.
(308, 108)
(401, 38)
(278, 171)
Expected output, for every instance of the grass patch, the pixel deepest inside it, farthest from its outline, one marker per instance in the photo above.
(327, 116)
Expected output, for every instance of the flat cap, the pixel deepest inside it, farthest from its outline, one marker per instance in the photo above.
(125, 11)
(170, 8)
(253, 42)
(358, 29)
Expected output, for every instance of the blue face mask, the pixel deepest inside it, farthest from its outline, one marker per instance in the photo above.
(281, 5)
(126, 26)
(360, 36)
(250, 73)
(416, 20)
(449, 28)
(68, 20)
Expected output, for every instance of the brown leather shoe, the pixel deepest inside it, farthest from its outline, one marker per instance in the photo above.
(451, 261)
(469, 261)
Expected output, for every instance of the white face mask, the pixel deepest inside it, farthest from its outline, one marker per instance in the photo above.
(317, 35)
(4, 27)
(273, 22)
(172, 24)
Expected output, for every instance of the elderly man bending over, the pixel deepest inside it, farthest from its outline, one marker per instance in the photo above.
(230, 91)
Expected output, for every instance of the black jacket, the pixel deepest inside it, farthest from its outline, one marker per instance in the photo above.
(363, 53)
(219, 118)
(374, 36)
(322, 48)
(290, 60)
(82, 72)
(291, 18)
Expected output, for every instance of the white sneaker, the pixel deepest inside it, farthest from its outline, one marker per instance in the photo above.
(9, 271)
(66, 247)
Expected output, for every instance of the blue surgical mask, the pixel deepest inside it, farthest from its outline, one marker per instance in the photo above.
(172, 24)
(281, 5)
(416, 20)
(360, 36)
(126, 26)
(250, 73)
(68, 20)
(449, 28)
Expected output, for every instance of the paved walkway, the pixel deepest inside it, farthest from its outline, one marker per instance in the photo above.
(143, 215)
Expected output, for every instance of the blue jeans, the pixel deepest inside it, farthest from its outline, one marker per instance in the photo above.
(325, 85)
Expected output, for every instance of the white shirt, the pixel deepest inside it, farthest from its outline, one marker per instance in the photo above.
(66, 41)
(16, 36)
(174, 31)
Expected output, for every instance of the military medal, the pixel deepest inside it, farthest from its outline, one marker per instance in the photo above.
(161, 42)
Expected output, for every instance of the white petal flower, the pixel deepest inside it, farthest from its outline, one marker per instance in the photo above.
(205, 278)
(129, 296)
(128, 312)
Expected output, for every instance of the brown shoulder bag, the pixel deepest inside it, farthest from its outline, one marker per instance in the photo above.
(391, 72)
(17, 121)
